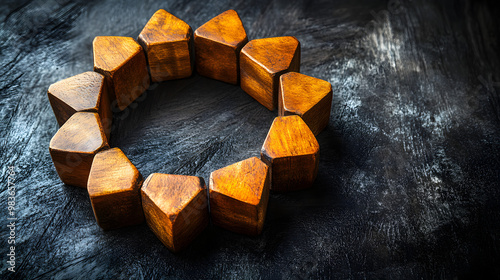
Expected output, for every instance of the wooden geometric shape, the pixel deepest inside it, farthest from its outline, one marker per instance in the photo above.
(85, 92)
(74, 146)
(306, 96)
(238, 196)
(262, 62)
(218, 43)
(123, 63)
(175, 208)
(167, 41)
(114, 189)
(292, 153)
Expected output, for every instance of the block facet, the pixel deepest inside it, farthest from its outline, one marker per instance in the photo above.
(238, 196)
(292, 153)
(114, 190)
(306, 96)
(175, 208)
(262, 62)
(167, 41)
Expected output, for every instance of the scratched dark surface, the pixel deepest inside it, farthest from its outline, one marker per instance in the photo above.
(409, 177)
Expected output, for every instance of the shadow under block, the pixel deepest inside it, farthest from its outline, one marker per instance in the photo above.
(262, 62)
(175, 208)
(292, 153)
(85, 92)
(122, 61)
(218, 43)
(167, 41)
(74, 146)
(306, 96)
(238, 196)
(114, 189)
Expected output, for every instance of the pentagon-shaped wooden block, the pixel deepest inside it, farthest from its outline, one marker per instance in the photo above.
(123, 63)
(85, 92)
(175, 207)
(306, 96)
(114, 189)
(167, 41)
(238, 196)
(218, 43)
(292, 153)
(74, 146)
(262, 62)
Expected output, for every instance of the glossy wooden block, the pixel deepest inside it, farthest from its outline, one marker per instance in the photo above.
(167, 41)
(74, 146)
(218, 43)
(238, 196)
(306, 96)
(122, 61)
(175, 207)
(292, 153)
(85, 92)
(114, 189)
(262, 62)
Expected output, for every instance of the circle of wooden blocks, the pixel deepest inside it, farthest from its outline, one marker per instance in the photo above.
(167, 41)
(306, 96)
(292, 153)
(85, 92)
(114, 190)
(175, 208)
(218, 43)
(123, 63)
(238, 196)
(262, 61)
(74, 146)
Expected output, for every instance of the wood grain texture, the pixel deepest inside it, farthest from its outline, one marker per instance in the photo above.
(175, 207)
(85, 92)
(122, 61)
(114, 189)
(292, 153)
(305, 96)
(74, 146)
(238, 196)
(218, 43)
(168, 43)
(262, 61)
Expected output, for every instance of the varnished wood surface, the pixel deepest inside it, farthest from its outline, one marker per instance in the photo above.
(167, 41)
(238, 196)
(407, 184)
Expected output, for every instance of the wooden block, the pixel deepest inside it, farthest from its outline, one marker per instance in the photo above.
(218, 43)
(74, 146)
(123, 63)
(175, 207)
(306, 96)
(114, 189)
(262, 61)
(238, 196)
(292, 153)
(167, 41)
(85, 92)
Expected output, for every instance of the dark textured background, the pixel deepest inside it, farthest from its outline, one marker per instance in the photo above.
(408, 183)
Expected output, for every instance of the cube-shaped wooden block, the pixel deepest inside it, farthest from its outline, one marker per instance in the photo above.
(74, 146)
(175, 208)
(262, 62)
(85, 92)
(306, 96)
(292, 153)
(123, 62)
(218, 43)
(114, 189)
(167, 41)
(238, 196)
